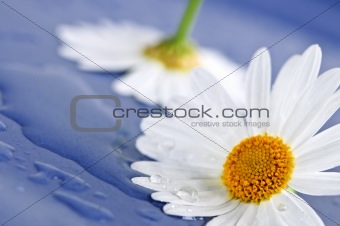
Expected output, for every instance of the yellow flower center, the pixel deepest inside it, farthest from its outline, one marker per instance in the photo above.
(257, 168)
(174, 56)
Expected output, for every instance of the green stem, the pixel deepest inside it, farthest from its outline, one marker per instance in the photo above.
(187, 21)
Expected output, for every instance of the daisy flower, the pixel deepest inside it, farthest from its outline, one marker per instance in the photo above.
(157, 67)
(248, 175)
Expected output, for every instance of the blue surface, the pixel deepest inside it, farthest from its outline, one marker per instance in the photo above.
(37, 87)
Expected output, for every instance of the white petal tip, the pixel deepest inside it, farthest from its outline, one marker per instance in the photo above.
(135, 166)
(139, 180)
(314, 50)
(262, 52)
(170, 209)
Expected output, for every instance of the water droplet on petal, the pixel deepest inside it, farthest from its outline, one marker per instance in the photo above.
(143, 179)
(281, 207)
(189, 209)
(157, 179)
(167, 180)
(187, 194)
(189, 218)
(175, 188)
(172, 206)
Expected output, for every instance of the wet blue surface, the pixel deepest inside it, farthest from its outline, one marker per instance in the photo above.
(39, 151)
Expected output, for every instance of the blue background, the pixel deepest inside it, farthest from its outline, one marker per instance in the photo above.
(37, 86)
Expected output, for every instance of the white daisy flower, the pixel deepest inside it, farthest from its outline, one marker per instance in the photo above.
(158, 66)
(248, 175)
(123, 46)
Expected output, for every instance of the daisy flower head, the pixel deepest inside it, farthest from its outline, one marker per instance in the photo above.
(247, 173)
(157, 67)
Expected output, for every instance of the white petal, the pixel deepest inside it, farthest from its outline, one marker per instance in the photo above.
(230, 218)
(316, 183)
(151, 81)
(174, 171)
(230, 75)
(205, 86)
(279, 95)
(205, 198)
(112, 46)
(182, 134)
(319, 153)
(199, 211)
(186, 152)
(267, 215)
(297, 211)
(209, 93)
(248, 216)
(176, 83)
(313, 121)
(314, 98)
(258, 85)
(144, 88)
(89, 60)
(287, 91)
(171, 185)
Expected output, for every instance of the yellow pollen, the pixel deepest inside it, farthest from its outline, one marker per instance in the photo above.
(257, 168)
(173, 56)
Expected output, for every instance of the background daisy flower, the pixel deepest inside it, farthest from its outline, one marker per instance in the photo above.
(246, 175)
(157, 66)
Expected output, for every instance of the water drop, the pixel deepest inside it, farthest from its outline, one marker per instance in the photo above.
(189, 209)
(20, 189)
(5, 152)
(188, 218)
(157, 179)
(281, 207)
(49, 172)
(164, 186)
(166, 145)
(170, 207)
(336, 201)
(21, 167)
(100, 195)
(187, 194)
(3, 127)
(175, 188)
(167, 180)
(85, 208)
(20, 159)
